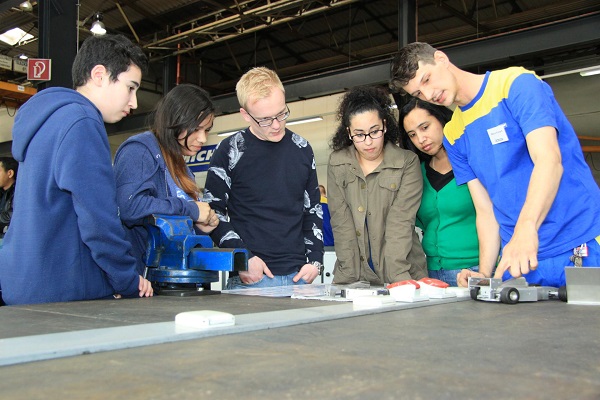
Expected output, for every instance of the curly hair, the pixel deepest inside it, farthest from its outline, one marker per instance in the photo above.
(406, 63)
(440, 113)
(359, 100)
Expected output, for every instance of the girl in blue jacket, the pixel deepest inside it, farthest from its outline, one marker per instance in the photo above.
(151, 173)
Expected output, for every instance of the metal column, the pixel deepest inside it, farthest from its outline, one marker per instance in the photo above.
(58, 39)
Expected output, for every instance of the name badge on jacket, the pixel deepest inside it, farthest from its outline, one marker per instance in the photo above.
(498, 134)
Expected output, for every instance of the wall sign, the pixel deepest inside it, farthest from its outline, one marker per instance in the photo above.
(201, 161)
(6, 62)
(38, 69)
(20, 65)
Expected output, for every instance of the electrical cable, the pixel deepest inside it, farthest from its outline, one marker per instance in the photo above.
(591, 162)
(8, 110)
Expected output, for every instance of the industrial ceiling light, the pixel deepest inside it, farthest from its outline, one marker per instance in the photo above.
(26, 6)
(15, 36)
(292, 122)
(304, 121)
(225, 134)
(590, 71)
(98, 28)
(22, 56)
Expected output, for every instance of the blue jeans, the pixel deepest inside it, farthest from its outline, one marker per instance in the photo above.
(448, 275)
(235, 282)
(551, 271)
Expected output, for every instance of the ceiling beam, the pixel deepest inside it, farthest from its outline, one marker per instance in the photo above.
(335, 49)
(156, 19)
(393, 33)
(232, 21)
(595, 138)
(465, 18)
(501, 48)
(497, 49)
(590, 149)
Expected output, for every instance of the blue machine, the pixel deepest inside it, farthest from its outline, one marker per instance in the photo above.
(182, 263)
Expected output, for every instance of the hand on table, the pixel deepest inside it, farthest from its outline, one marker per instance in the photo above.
(519, 256)
(462, 278)
(308, 272)
(256, 269)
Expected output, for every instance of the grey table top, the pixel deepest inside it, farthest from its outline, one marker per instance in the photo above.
(464, 350)
(38, 319)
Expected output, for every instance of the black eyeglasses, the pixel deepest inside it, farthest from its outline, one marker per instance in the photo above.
(265, 122)
(361, 137)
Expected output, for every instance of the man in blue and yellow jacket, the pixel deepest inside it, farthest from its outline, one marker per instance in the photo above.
(512, 144)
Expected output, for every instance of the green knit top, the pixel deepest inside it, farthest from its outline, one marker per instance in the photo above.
(447, 218)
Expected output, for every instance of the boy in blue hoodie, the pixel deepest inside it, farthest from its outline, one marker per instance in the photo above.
(66, 241)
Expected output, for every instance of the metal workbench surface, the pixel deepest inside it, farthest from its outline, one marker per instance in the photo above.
(37, 319)
(462, 350)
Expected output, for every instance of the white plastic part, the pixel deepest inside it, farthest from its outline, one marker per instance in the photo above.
(458, 291)
(435, 292)
(204, 319)
(351, 294)
(407, 294)
(368, 302)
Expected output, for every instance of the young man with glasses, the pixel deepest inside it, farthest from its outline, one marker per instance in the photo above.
(262, 183)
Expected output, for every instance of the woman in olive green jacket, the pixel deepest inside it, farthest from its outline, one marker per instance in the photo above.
(374, 191)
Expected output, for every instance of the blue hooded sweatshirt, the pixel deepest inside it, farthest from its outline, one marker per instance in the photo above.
(65, 240)
(142, 190)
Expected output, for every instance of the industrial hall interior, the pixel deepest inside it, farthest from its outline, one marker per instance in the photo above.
(269, 199)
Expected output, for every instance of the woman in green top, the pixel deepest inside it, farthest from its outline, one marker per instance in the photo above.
(446, 214)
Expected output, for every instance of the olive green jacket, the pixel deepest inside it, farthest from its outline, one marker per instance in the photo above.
(387, 200)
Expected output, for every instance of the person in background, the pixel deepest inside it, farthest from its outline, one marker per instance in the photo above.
(262, 183)
(447, 213)
(8, 177)
(151, 173)
(374, 193)
(327, 232)
(512, 144)
(65, 240)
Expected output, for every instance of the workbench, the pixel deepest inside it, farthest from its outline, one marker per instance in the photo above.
(455, 350)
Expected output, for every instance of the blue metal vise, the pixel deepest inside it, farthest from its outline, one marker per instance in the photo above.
(180, 262)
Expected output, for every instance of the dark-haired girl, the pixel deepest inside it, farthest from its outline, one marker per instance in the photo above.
(374, 191)
(447, 213)
(151, 173)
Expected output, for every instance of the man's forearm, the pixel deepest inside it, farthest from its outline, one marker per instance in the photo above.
(489, 244)
(488, 230)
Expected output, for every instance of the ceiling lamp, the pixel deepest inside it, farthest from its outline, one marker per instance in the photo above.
(98, 28)
(590, 71)
(304, 121)
(26, 6)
